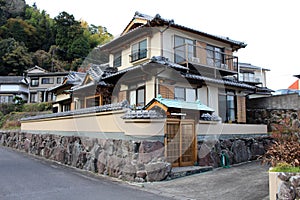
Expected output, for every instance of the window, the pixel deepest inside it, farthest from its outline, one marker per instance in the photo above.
(33, 97)
(180, 49)
(185, 94)
(34, 82)
(118, 59)
(58, 80)
(190, 95)
(227, 106)
(215, 56)
(140, 97)
(247, 77)
(179, 94)
(47, 80)
(139, 51)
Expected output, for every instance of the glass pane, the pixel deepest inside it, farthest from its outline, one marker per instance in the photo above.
(179, 93)
(141, 97)
(132, 97)
(190, 95)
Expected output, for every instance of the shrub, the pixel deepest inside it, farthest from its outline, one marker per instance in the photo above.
(37, 107)
(286, 149)
(285, 167)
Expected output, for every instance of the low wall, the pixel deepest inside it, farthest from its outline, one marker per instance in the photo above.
(235, 150)
(127, 160)
(284, 185)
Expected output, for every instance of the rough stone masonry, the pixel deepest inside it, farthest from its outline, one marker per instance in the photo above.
(137, 161)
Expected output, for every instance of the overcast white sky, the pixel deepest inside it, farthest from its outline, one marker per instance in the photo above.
(269, 27)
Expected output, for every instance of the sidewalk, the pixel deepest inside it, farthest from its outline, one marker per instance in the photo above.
(244, 181)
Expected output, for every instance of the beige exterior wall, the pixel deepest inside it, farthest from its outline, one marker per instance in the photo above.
(202, 95)
(150, 90)
(274, 183)
(241, 109)
(111, 122)
(106, 122)
(62, 97)
(211, 128)
(213, 98)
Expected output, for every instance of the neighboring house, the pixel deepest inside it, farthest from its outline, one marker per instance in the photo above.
(12, 86)
(253, 75)
(63, 97)
(256, 76)
(40, 80)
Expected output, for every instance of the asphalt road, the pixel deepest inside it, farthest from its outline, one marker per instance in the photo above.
(24, 177)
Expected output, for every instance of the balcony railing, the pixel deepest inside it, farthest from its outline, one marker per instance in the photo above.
(138, 55)
(193, 54)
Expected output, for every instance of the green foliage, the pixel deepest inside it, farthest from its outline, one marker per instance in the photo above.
(37, 107)
(14, 57)
(6, 108)
(285, 167)
(30, 37)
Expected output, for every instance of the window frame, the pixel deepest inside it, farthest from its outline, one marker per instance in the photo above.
(117, 62)
(44, 82)
(181, 51)
(215, 55)
(33, 80)
(139, 52)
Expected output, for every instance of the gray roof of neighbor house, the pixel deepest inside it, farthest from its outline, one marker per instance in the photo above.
(159, 21)
(298, 76)
(73, 78)
(13, 80)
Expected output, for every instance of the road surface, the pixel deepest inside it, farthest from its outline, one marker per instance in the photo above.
(24, 177)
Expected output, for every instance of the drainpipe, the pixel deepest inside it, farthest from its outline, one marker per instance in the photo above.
(161, 37)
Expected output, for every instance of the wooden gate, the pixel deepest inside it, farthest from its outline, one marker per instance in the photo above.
(180, 142)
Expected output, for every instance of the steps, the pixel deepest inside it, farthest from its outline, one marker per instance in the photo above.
(178, 172)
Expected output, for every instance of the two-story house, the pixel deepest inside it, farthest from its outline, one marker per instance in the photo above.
(12, 86)
(188, 77)
(155, 57)
(40, 80)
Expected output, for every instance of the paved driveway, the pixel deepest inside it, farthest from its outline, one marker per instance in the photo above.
(240, 182)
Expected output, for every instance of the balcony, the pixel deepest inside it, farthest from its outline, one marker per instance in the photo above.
(210, 61)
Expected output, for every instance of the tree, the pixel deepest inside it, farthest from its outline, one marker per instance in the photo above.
(15, 58)
(42, 59)
(44, 26)
(21, 31)
(68, 30)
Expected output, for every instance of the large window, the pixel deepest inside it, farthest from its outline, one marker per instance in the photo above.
(33, 97)
(215, 56)
(118, 59)
(139, 50)
(47, 80)
(227, 106)
(185, 94)
(184, 49)
(137, 97)
(247, 76)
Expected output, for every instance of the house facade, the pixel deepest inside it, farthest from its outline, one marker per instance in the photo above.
(11, 87)
(40, 80)
(163, 81)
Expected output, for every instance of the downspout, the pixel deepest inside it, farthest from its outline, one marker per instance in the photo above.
(161, 37)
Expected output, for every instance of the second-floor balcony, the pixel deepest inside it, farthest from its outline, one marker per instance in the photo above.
(206, 58)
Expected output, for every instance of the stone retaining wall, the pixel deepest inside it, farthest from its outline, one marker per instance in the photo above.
(127, 160)
(236, 150)
(138, 161)
(284, 185)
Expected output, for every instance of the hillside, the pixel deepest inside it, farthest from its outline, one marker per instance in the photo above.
(29, 37)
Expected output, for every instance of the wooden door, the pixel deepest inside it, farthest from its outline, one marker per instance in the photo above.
(180, 142)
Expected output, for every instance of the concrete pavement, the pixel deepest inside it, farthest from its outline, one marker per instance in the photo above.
(247, 181)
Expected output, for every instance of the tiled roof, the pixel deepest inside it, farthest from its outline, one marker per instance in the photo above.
(97, 109)
(219, 81)
(171, 103)
(154, 59)
(13, 80)
(143, 114)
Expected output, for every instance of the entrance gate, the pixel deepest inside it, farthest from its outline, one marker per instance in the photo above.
(180, 142)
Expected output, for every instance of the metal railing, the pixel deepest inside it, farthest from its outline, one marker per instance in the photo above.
(194, 54)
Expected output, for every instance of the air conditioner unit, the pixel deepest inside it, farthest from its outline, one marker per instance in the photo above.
(194, 60)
